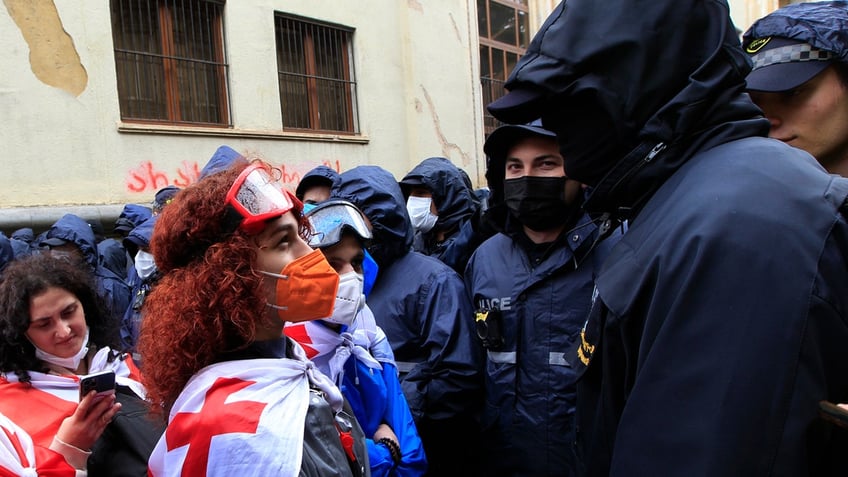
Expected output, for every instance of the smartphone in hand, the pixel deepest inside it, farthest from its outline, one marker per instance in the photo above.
(103, 382)
(833, 413)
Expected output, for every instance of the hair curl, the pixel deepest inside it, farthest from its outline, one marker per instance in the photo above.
(209, 300)
(30, 276)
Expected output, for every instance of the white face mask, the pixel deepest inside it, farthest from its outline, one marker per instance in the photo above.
(71, 362)
(349, 299)
(144, 264)
(419, 212)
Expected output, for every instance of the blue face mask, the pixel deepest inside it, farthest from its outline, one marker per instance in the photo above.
(369, 272)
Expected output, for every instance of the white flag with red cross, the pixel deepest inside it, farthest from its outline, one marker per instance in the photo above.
(238, 418)
(19, 457)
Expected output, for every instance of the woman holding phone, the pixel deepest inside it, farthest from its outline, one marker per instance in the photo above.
(53, 331)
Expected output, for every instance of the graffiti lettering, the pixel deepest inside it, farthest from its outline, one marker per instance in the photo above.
(147, 178)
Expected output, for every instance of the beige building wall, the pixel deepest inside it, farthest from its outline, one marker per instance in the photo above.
(746, 12)
(66, 149)
(742, 12)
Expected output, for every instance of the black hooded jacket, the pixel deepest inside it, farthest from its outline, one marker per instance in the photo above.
(721, 316)
(458, 209)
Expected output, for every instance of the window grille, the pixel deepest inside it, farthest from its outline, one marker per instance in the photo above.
(504, 36)
(170, 63)
(316, 76)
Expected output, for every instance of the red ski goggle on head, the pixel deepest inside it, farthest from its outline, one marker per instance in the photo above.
(258, 197)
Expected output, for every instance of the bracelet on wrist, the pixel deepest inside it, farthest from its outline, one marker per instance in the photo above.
(394, 448)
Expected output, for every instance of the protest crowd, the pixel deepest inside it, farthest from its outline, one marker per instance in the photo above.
(652, 282)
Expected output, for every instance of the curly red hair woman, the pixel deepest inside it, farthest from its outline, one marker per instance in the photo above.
(235, 268)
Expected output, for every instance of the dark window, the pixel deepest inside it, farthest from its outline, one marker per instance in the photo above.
(316, 75)
(504, 37)
(170, 63)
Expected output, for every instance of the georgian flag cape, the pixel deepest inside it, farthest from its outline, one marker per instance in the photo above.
(330, 349)
(372, 388)
(20, 457)
(241, 418)
(40, 410)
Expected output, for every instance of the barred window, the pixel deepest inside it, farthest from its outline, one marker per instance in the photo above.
(316, 76)
(170, 63)
(504, 36)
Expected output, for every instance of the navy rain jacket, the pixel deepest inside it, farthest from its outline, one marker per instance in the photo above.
(458, 208)
(110, 287)
(7, 253)
(22, 241)
(138, 238)
(721, 317)
(528, 419)
(422, 306)
(323, 175)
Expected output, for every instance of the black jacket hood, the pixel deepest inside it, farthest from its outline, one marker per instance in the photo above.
(451, 187)
(669, 76)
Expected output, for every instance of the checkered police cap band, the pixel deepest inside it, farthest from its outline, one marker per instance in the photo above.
(789, 54)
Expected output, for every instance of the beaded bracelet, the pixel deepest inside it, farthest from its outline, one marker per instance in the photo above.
(394, 448)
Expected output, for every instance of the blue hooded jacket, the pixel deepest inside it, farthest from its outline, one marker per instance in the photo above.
(112, 289)
(7, 254)
(138, 238)
(21, 240)
(318, 175)
(720, 318)
(131, 215)
(458, 208)
(221, 160)
(422, 306)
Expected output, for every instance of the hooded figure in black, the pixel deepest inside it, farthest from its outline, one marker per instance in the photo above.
(720, 318)
(72, 235)
(422, 306)
(453, 235)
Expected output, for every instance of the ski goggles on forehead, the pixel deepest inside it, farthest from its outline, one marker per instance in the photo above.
(257, 197)
(329, 220)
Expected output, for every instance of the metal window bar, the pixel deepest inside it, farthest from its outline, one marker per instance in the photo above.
(317, 81)
(499, 52)
(170, 62)
(492, 90)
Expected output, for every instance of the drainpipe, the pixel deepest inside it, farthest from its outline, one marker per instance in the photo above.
(40, 219)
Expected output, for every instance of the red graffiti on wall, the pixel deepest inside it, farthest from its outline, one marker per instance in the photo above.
(148, 178)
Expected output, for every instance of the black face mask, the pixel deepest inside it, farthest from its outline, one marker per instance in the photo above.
(537, 202)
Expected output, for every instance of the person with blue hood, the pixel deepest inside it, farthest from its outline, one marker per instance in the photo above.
(315, 187)
(531, 284)
(719, 319)
(422, 306)
(444, 211)
(72, 236)
(21, 240)
(131, 215)
(353, 350)
(163, 197)
(141, 277)
(7, 252)
(221, 160)
(316, 184)
(800, 78)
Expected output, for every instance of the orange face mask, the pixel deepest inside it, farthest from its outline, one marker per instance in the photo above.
(306, 288)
